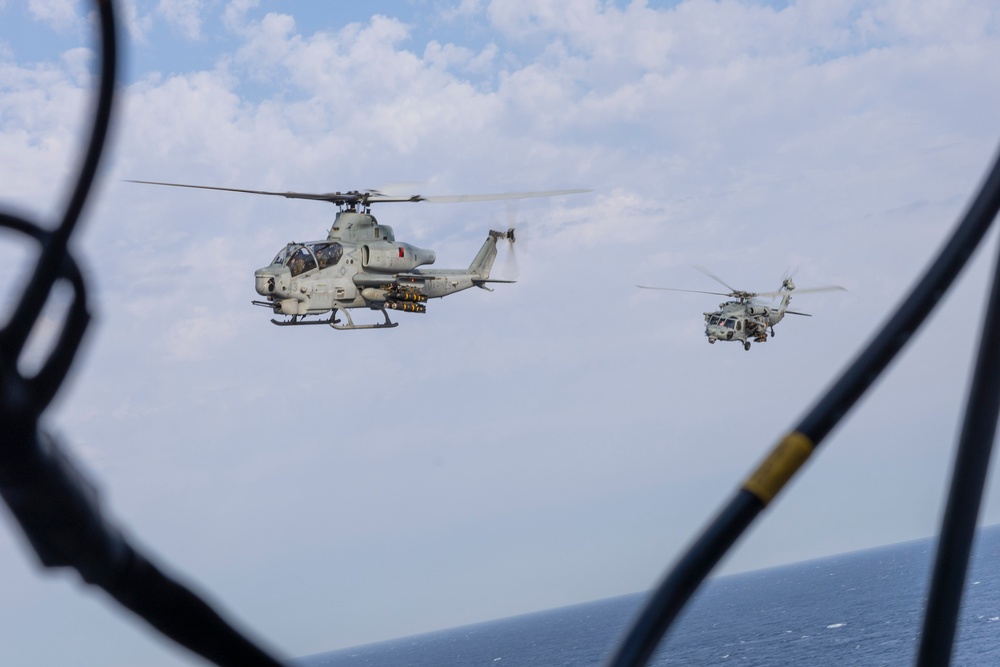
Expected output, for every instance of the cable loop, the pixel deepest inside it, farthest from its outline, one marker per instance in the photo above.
(55, 504)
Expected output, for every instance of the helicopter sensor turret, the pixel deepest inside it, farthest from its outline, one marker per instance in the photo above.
(272, 280)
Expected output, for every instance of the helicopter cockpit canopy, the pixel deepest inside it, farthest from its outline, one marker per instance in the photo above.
(302, 257)
(282, 255)
(718, 320)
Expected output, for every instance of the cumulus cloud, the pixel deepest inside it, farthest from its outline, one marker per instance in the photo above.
(137, 25)
(349, 101)
(59, 14)
(234, 15)
(184, 15)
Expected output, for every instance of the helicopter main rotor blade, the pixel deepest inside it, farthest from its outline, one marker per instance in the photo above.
(808, 290)
(453, 199)
(674, 289)
(716, 278)
(372, 196)
(828, 288)
(334, 197)
(792, 312)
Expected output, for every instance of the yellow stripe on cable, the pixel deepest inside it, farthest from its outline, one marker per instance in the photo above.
(783, 462)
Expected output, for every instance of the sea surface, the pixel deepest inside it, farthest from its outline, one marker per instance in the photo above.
(863, 608)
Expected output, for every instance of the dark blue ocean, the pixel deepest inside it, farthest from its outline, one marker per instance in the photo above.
(863, 608)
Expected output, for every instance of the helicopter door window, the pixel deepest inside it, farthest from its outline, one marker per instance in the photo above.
(739, 325)
(301, 261)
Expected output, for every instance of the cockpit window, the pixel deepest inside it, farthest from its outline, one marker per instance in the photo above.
(301, 261)
(328, 254)
(730, 324)
(281, 256)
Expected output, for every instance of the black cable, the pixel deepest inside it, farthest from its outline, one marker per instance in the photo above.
(54, 248)
(669, 598)
(55, 505)
(792, 451)
(40, 390)
(911, 313)
(967, 483)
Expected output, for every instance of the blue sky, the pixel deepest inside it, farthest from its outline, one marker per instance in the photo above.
(560, 439)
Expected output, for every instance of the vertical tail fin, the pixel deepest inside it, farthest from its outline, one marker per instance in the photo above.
(483, 263)
(786, 286)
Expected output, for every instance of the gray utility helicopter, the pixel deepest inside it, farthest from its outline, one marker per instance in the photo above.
(361, 265)
(747, 319)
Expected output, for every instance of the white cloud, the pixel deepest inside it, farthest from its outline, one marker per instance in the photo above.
(137, 25)
(58, 14)
(235, 13)
(464, 8)
(721, 131)
(43, 113)
(79, 65)
(185, 15)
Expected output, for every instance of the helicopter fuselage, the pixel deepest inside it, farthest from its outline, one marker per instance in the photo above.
(361, 265)
(746, 319)
(736, 321)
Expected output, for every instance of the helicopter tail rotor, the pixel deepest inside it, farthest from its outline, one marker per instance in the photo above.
(512, 267)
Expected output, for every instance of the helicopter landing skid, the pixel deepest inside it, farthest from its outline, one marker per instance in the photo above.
(297, 321)
(335, 323)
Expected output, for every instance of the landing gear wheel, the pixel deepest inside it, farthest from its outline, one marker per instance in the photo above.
(746, 346)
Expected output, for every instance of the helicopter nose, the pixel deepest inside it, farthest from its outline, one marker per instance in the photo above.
(267, 281)
(264, 284)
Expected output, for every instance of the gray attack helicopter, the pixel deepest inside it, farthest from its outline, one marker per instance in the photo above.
(747, 319)
(361, 265)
